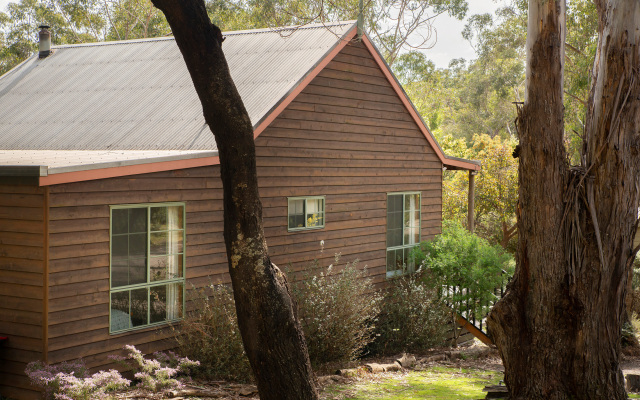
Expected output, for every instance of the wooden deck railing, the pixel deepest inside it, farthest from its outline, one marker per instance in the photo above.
(472, 312)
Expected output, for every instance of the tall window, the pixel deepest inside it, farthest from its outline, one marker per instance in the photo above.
(403, 231)
(306, 213)
(147, 265)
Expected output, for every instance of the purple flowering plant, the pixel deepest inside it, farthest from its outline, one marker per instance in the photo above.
(160, 372)
(71, 381)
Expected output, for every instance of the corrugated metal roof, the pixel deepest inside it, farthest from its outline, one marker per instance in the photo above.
(62, 161)
(138, 95)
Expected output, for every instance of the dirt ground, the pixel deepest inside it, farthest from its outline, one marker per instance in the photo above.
(477, 356)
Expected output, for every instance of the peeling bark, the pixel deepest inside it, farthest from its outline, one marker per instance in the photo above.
(270, 330)
(558, 328)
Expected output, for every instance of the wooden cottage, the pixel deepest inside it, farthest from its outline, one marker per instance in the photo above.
(110, 190)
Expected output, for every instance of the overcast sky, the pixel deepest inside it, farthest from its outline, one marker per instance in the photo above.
(450, 44)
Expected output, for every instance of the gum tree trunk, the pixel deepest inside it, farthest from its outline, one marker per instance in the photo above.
(270, 330)
(558, 328)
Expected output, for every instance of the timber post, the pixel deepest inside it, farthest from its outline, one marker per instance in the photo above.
(471, 199)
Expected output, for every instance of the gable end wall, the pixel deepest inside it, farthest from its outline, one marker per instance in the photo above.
(346, 136)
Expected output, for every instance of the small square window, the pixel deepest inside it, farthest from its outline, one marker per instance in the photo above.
(306, 213)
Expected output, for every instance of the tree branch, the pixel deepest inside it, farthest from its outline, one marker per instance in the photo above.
(573, 96)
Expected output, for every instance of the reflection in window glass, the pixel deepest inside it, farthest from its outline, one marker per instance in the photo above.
(315, 212)
(139, 307)
(166, 267)
(296, 213)
(120, 221)
(306, 213)
(403, 231)
(137, 220)
(147, 246)
(120, 314)
(160, 310)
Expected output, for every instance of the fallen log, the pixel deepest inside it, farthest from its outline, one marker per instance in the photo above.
(374, 367)
(407, 361)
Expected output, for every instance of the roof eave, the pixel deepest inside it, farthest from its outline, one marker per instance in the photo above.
(23, 170)
(455, 163)
(85, 172)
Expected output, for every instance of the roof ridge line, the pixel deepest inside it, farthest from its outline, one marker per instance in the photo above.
(229, 33)
(290, 28)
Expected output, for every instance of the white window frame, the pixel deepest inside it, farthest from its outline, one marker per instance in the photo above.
(149, 283)
(306, 198)
(410, 268)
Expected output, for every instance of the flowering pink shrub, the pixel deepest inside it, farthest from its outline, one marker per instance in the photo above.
(94, 387)
(157, 373)
(71, 381)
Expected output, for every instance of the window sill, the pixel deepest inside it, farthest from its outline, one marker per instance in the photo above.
(314, 228)
(150, 327)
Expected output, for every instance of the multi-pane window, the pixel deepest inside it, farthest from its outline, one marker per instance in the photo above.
(306, 213)
(147, 265)
(403, 231)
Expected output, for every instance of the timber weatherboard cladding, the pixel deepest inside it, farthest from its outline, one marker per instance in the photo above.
(22, 280)
(90, 242)
(347, 136)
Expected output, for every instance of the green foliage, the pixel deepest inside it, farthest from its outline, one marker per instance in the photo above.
(210, 334)
(581, 43)
(476, 97)
(458, 258)
(413, 318)
(132, 19)
(436, 383)
(496, 194)
(396, 26)
(74, 21)
(338, 310)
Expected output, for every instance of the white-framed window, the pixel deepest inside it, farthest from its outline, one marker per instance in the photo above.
(403, 231)
(305, 213)
(146, 265)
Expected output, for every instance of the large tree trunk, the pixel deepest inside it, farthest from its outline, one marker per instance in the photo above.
(558, 328)
(270, 330)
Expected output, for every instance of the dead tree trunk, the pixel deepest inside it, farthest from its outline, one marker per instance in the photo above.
(558, 328)
(270, 330)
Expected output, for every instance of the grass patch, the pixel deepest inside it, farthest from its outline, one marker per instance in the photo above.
(439, 383)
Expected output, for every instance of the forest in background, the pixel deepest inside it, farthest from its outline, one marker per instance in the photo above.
(470, 106)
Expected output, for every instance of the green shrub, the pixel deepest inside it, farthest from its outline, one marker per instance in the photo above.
(210, 334)
(460, 259)
(413, 318)
(337, 311)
